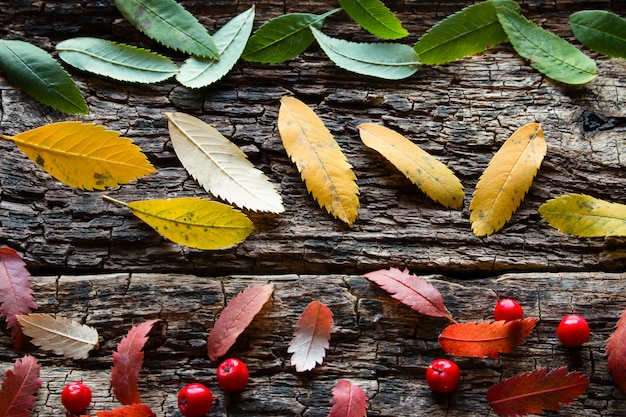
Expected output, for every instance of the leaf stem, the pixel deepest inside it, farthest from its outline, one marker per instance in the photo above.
(11, 138)
(114, 201)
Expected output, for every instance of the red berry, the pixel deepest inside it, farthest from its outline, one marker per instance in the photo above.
(76, 397)
(232, 375)
(443, 376)
(508, 309)
(195, 400)
(573, 330)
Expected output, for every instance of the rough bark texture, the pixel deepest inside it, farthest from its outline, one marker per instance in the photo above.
(96, 263)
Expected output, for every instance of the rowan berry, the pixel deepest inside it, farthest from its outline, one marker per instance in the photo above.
(443, 376)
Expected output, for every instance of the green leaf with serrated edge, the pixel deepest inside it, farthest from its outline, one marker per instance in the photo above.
(230, 40)
(283, 37)
(37, 73)
(374, 17)
(383, 60)
(584, 216)
(118, 61)
(194, 222)
(549, 54)
(168, 23)
(600, 31)
(466, 32)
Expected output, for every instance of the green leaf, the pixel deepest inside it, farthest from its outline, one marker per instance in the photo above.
(383, 60)
(168, 23)
(283, 37)
(375, 17)
(37, 73)
(601, 31)
(584, 216)
(118, 61)
(549, 54)
(230, 40)
(467, 32)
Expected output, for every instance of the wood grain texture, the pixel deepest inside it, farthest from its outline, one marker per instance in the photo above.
(376, 342)
(460, 112)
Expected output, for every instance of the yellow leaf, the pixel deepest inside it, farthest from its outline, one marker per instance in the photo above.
(193, 222)
(585, 216)
(220, 166)
(503, 185)
(429, 174)
(60, 335)
(323, 166)
(83, 155)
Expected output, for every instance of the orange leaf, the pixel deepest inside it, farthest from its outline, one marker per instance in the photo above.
(131, 410)
(349, 400)
(19, 387)
(311, 337)
(16, 294)
(616, 352)
(485, 339)
(532, 392)
(235, 317)
(411, 290)
(127, 363)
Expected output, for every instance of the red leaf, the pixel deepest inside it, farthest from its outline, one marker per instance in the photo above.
(311, 337)
(235, 317)
(127, 363)
(349, 400)
(616, 352)
(131, 410)
(485, 339)
(19, 387)
(532, 392)
(15, 292)
(411, 290)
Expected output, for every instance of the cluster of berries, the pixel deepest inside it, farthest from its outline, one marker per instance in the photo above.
(194, 400)
(443, 375)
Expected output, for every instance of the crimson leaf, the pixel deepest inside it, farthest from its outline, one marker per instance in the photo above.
(19, 387)
(349, 400)
(616, 353)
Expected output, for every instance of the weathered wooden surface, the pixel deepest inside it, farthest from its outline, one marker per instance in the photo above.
(377, 343)
(461, 113)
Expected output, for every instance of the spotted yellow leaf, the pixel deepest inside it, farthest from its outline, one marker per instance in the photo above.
(585, 216)
(503, 185)
(433, 177)
(193, 222)
(82, 155)
(322, 165)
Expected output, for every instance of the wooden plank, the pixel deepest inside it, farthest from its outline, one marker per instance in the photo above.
(460, 112)
(377, 343)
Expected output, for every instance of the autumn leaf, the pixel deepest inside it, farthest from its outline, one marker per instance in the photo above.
(411, 290)
(83, 155)
(193, 222)
(532, 392)
(235, 317)
(16, 293)
(503, 185)
(433, 177)
(131, 410)
(220, 166)
(585, 216)
(59, 335)
(319, 159)
(127, 362)
(485, 339)
(311, 337)
(616, 353)
(19, 387)
(348, 400)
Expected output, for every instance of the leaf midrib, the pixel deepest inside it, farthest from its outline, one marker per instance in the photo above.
(111, 61)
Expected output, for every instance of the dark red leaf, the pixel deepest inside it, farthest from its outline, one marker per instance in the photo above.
(15, 292)
(19, 387)
(616, 353)
(131, 410)
(127, 363)
(485, 339)
(533, 392)
(235, 317)
(349, 400)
